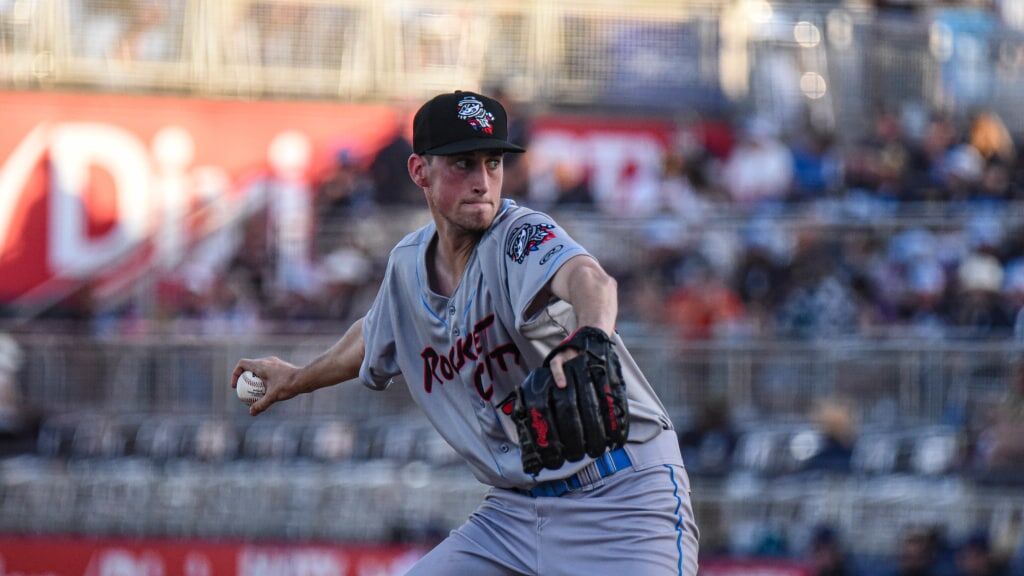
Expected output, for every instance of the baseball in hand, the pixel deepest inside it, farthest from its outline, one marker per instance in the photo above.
(250, 388)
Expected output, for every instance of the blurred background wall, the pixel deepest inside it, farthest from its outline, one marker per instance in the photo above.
(813, 210)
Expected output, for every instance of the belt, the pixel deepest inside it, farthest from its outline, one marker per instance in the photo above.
(602, 467)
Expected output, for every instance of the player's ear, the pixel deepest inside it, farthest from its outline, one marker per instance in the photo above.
(418, 167)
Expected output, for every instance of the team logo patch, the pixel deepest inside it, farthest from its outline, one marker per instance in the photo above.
(526, 239)
(473, 112)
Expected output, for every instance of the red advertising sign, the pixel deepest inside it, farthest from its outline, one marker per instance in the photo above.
(621, 159)
(40, 556)
(93, 184)
(97, 188)
(81, 557)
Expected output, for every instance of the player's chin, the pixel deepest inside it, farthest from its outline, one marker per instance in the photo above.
(478, 215)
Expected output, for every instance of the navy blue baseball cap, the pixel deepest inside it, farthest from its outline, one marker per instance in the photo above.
(459, 122)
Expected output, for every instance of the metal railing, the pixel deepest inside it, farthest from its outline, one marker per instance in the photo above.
(890, 381)
(627, 238)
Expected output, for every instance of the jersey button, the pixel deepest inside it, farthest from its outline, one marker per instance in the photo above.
(455, 332)
(451, 310)
(505, 448)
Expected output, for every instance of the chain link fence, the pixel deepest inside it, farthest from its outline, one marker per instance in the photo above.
(836, 65)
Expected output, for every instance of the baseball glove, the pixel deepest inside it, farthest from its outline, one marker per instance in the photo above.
(587, 417)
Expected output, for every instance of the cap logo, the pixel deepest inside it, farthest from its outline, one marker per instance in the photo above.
(472, 111)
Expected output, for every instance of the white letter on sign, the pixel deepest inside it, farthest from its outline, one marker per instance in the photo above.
(74, 149)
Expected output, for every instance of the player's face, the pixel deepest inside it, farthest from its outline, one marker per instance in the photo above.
(465, 189)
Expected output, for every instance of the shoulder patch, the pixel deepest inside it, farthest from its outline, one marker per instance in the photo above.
(527, 238)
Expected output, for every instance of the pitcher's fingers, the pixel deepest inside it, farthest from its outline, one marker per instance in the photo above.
(260, 405)
(243, 365)
(557, 372)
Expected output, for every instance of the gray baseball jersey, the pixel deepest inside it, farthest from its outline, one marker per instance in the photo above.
(462, 356)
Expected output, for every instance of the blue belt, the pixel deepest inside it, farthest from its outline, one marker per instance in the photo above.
(602, 467)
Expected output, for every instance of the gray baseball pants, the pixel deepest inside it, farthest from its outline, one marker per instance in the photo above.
(637, 521)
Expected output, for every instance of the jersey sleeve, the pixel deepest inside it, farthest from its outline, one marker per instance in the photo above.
(380, 361)
(534, 248)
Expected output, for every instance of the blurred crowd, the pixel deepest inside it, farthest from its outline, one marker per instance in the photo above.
(838, 269)
(749, 234)
(922, 551)
(125, 30)
(899, 469)
(768, 278)
(906, 158)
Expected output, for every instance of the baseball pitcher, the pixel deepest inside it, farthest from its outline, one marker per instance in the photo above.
(503, 328)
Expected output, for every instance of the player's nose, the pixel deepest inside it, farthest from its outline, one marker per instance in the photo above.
(478, 180)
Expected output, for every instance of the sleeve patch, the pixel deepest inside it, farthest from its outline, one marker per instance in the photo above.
(526, 239)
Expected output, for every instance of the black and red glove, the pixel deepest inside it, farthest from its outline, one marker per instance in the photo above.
(587, 417)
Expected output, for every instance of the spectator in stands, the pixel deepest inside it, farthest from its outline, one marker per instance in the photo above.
(19, 423)
(815, 166)
(923, 304)
(708, 445)
(103, 22)
(989, 136)
(819, 302)
(886, 163)
(827, 556)
(975, 558)
(762, 274)
(980, 312)
(676, 195)
(918, 556)
(861, 258)
(995, 185)
(939, 140)
(961, 172)
(344, 273)
(342, 190)
(703, 306)
(391, 183)
(230, 306)
(571, 187)
(149, 36)
(760, 167)
(835, 423)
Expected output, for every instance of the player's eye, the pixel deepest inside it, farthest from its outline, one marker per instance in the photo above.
(462, 164)
(494, 163)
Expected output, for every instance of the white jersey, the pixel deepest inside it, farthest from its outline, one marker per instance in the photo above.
(463, 356)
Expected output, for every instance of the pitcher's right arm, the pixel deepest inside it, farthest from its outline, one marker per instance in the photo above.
(340, 363)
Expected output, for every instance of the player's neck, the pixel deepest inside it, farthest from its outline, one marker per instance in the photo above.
(448, 256)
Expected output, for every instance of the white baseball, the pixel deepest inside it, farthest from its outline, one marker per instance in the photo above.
(250, 388)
